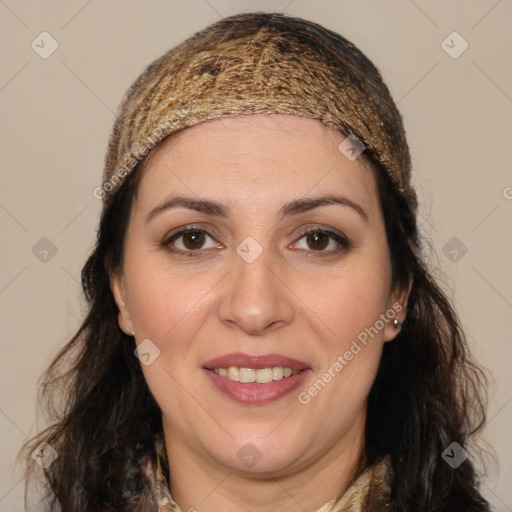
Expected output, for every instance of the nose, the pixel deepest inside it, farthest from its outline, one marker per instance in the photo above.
(256, 298)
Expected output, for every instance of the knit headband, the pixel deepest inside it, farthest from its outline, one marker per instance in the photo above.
(261, 63)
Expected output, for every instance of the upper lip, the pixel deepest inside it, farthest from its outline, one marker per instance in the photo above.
(242, 360)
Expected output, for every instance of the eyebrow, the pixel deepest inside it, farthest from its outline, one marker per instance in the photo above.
(217, 209)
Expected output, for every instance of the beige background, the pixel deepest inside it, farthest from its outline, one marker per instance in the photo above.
(57, 114)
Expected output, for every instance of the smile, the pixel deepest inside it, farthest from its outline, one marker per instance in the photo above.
(256, 393)
(259, 375)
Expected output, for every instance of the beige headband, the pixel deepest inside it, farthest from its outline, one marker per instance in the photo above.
(260, 63)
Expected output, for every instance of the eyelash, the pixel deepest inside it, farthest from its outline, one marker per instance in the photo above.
(343, 243)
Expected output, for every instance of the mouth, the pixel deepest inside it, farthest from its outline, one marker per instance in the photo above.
(256, 379)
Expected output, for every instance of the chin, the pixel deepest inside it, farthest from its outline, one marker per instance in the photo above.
(259, 454)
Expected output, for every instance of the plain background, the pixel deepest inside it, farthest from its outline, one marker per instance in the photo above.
(56, 118)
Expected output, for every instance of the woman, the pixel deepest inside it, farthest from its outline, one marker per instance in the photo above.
(263, 333)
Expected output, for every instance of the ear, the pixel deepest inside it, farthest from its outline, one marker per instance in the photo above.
(124, 318)
(397, 309)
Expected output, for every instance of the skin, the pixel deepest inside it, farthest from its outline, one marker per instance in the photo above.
(300, 299)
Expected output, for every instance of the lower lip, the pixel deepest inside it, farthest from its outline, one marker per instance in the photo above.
(256, 394)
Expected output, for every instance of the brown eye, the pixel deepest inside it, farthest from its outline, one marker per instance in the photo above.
(190, 241)
(193, 240)
(323, 242)
(317, 240)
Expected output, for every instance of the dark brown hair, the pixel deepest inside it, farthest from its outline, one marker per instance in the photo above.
(104, 422)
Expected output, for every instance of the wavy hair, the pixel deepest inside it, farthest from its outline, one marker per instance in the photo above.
(104, 421)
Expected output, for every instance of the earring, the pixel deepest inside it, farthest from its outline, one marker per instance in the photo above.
(396, 324)
(133, 334)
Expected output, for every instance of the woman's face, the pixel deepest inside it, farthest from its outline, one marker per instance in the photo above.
(255, 243)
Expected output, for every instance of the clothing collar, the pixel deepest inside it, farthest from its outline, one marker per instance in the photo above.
(369, 492)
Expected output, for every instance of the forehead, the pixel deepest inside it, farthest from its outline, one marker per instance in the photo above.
(232, 159)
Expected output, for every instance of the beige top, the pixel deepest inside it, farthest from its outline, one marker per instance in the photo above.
(368, 493)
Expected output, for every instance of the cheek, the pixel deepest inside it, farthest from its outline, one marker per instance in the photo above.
(167, 308)
(349, 304)
(347, 301)
(351, 349)
(158, 297)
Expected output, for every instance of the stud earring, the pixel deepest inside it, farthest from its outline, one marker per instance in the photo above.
(397, 324)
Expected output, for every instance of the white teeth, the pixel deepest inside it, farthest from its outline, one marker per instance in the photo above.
(233, 373)
(260, 375)
(264, 375)
(277, 372)
(247, 375)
